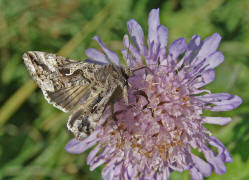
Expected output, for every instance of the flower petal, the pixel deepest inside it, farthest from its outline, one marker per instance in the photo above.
(97, 163)
(134, 60)
(163, 36)
(205, 78)
(163, 41)
(195, 174)
(192, 46)
(110, 54)
(214, 60)
(222, 151)
(215, 97)
(93, 153)
(215, 161)
(203, 167)
(227, 105)
(108, 172)
(208, 47)
(217, 120)
(75, 146)
(166, 173)
(131, 171)
(223, 101)
(153, 22)
(176, 48)
(97, 56)
(137, 35)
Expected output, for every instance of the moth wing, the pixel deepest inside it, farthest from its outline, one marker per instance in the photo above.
(85, 119)
(65, 83)
(67, 99)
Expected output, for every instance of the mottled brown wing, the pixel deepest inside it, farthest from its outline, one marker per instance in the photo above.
(64, 82)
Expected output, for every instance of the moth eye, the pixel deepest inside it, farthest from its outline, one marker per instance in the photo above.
(80, 127)
(64, 71)
(89, 71)
(84, 125)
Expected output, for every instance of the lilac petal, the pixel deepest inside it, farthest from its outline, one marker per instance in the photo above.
(195, 174)
(218, 160)
(94, 161)
(75, 146)
(222, 151)
(117, 171)
(201, 91)
(98, 163)
(154, 22)
(166, 173)
(214, 60)
(95, 62)
(215, 161)
(159, 176)
(132, 171)
(215, 97)
(217, 120)
(193, 45)
(179, 64)
(197, 70)
(137, 35)
(163, 40)
(226, 105)
(135, 60)
(93, 153)
(151, 175)
(110, 54)
(176, 48)
(223, 101)
(206, 78)
(153, 53)
(128, 59)
(203, 167)
(163, 36)
(209, 46)
(108, 172)
(97, 56)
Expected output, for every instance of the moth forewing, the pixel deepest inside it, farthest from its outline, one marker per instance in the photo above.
(62, 83)
(68, 84)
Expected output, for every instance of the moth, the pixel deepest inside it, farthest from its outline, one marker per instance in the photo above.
(84, 88)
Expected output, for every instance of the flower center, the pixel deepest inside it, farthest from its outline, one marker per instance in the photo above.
(152, 128)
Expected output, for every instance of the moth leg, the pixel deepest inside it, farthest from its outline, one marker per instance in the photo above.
(125, 94)
(100, 107)
(112, 112)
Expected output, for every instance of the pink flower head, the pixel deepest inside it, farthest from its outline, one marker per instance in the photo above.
(156, 133)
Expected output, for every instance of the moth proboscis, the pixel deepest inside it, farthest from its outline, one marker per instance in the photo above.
(85, 88)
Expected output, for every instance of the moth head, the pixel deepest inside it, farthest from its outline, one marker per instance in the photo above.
(128, 72)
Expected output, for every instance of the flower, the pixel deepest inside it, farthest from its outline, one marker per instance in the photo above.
(156, 133)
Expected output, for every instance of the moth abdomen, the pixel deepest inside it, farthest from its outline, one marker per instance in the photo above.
(74, 117)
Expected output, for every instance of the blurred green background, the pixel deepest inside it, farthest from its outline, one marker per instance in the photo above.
(33, 133)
